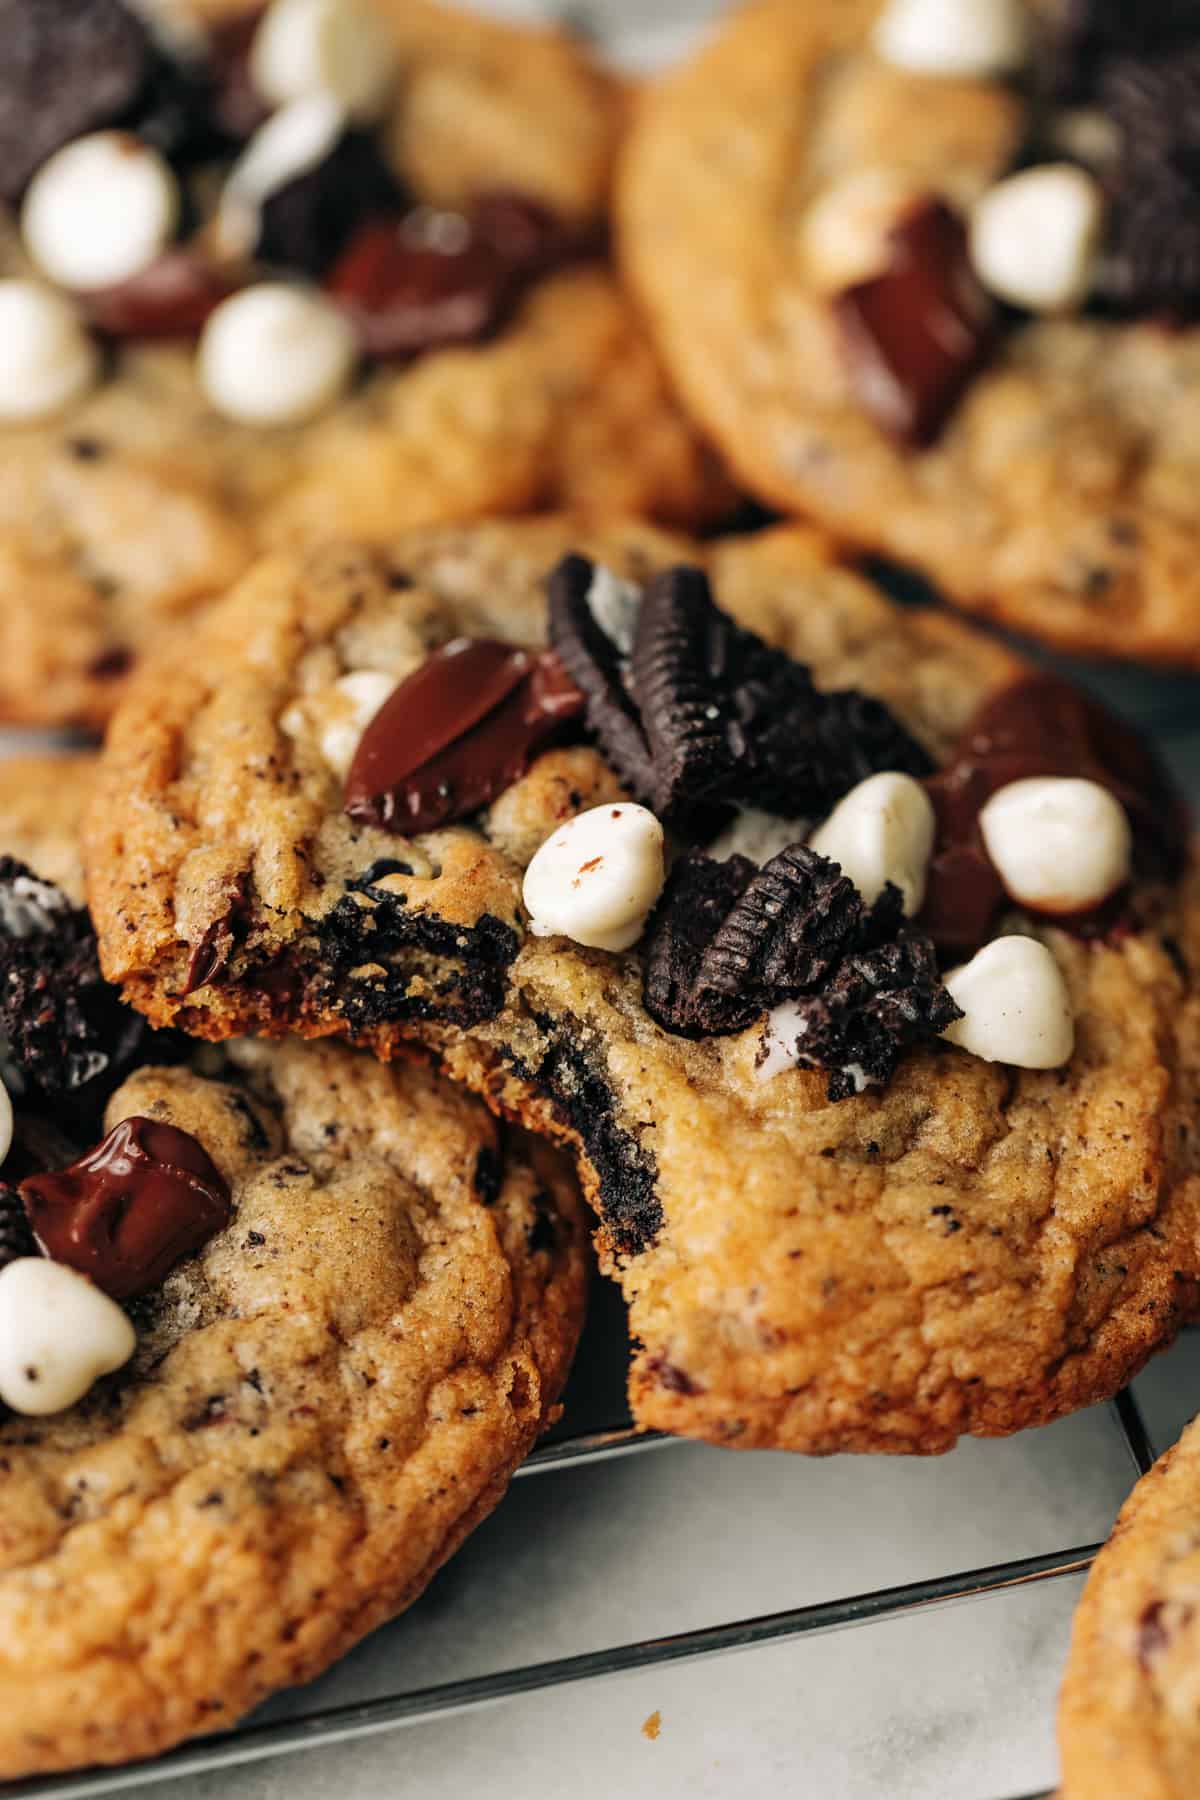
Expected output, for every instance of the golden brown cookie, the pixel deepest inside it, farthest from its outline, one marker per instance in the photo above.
(42, 802)
(123, 515)
(971, 1247)
(1127, 1712)
(324, 1401)
(1057, 497)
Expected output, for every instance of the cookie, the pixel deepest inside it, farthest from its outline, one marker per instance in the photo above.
(488, 376)
(42, 803)
(1127, 1715)
(859, 300)
(961, 1244)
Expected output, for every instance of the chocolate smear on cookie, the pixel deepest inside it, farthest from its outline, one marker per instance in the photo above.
(138, 1203)
(913, 336)
(455, 734)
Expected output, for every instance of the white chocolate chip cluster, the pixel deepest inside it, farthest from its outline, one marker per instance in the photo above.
(1034, 237)
(105, 209)
(58, 1331)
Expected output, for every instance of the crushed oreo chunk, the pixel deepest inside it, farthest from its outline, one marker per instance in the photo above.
(729, 942)
(68, 1038)
(69, 67)
(1152, 261)
(1081, 38)
(879, 1004)
(697, 714)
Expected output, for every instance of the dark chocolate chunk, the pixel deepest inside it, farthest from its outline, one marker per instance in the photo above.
(68, 67)
(684, 656)
(913, 336)
(308, 223)
(68, 1037)
(172, 298)
(879, 1004)
(16, 1237)
(460, 730)
(419, 283)
(132, 1208)
(598, 666)
(698, 897)
(525, 233)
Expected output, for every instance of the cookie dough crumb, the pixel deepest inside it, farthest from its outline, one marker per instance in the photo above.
(652, 1726)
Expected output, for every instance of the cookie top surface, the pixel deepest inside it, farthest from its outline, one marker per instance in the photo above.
(323, 1401)
(1127, 1712)
(519, 384)
(970, 1247)
(1053, 499)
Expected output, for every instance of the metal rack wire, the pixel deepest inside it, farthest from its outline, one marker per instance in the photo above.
(421, 1705)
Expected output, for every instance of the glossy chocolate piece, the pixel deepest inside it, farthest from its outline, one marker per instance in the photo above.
(407, 288)
(913, 336)
(172, 298)
(131, 1207)
(1039, 726)
(460, 730)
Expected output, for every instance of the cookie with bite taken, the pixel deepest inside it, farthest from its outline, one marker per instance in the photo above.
(930, 274)
(286, 272)
(856, 962)
(276, 1326)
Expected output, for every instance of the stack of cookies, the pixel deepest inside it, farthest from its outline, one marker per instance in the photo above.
(467, 844)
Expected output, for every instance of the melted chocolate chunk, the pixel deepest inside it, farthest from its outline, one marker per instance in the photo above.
(879, 1004)
(408, 290)
(1039, 725)
(68, 67)
(525, 233)
(16, 1237)
(1159, 1622)
(913, 336)
(460, 730)
(172, 298)
(68, 1037)
(131, 1208)
(308, 223)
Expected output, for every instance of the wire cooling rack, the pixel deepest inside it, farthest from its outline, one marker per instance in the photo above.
(572, 1448)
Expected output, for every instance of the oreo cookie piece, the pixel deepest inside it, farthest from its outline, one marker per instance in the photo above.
(1084, 36)
(729, 941)
(685, 654)
(597, 660)
(69, 1040)
(879, 1004)
(68, 67)
(698, 897)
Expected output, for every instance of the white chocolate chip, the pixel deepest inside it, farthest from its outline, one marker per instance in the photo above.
(58, 1334)
(1016, 1006)
(1059, 845)
(1034, 237)
(954, 37)
(100, 210)
(881, 831)
(615, 604)
(275, 355)
(844, 233)
(294, 140)
(356, 697)
(6, 1122)
(47, 357)
(757, 835)
(597, 877)
(334, 47)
